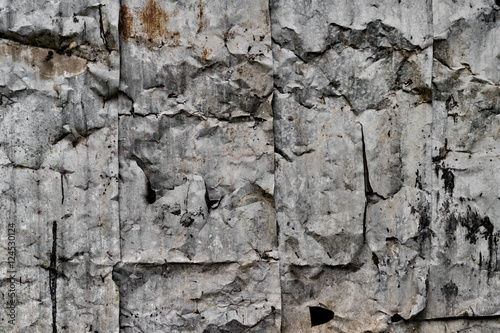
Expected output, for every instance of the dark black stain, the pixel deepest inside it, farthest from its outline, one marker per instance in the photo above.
(207, 199)
(175, 209)
(368, 187)
(443, 151)
(319, 315)
(473, 222)
(450, 291)
(425, 233)
(451, 225)
(150, 193)
(450, 103)
(62, 189)
(490, 17)
(375, 259)
(369, 193)
(49, 56)
(101, 29)
(418, 181)
(187, 219)
(364, 221)
(424, 221)
(449, 180)
(53, 277)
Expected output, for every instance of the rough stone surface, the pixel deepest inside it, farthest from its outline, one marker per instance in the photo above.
(59, 78)
(250, 166)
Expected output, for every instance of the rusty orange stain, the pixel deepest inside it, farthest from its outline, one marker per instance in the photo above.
(36, 57)
(204, 54)
(154, 20)
(200, 17)
(125, 23)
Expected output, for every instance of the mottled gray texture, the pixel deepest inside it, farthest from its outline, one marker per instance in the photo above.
(230, 166)
(58, 157)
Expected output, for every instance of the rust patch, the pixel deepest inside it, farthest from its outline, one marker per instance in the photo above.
(200, 17)
(154, 20)
(46, 67)
(125, 23)
(57, 66)
(204, 54)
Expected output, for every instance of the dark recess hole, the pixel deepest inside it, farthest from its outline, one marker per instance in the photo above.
(396, 318)
(320, 316)
(150, 193)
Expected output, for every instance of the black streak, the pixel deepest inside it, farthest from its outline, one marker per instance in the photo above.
(62, 190)
(53, 277)
(449, 180)
(150, 193)
(364, 221)
(375, 259)
(399, 318)
(368, 188)
(103, 34)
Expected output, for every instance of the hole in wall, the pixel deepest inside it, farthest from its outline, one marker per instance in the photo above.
(319, 315)
(396, 318)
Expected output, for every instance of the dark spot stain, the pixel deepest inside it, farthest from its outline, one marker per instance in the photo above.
(450, 103)
(489, 17)
(154, 20)
(454, 116)
(187, 219)
(418, 181)
(125, 23)
(49, 56)
(473, 222)
(450, 291)
(449, 181)
(424, 220)
(443, 151)
(175, 209)
(319, 315)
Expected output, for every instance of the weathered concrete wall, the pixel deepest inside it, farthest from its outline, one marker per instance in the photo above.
(250, 166)
(59, 64)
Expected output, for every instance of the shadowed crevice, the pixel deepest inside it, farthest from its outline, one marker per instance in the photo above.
(319, 315)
